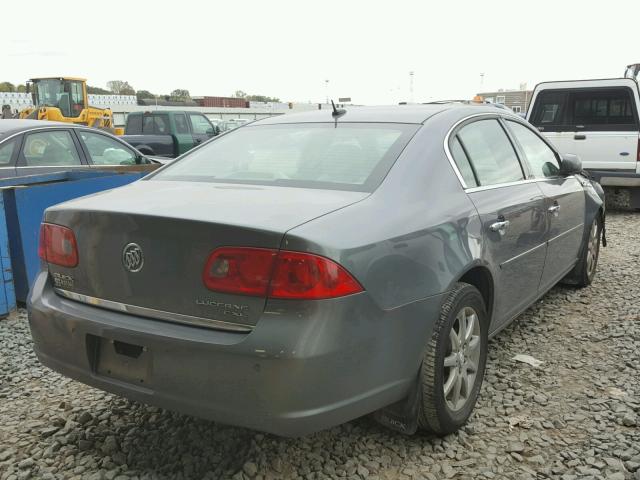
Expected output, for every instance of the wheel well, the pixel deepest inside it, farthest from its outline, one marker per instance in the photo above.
(481, 278)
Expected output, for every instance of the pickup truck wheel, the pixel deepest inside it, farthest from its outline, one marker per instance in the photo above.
(454, 362)
(585, 270)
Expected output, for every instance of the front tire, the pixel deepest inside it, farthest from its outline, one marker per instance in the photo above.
(454, 362)
(585, 270)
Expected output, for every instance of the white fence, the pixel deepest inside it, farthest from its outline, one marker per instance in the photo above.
(17, 101)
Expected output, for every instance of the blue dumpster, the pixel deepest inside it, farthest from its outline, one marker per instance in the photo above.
(22, 204)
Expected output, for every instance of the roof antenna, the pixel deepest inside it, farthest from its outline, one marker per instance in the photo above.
(337, 111)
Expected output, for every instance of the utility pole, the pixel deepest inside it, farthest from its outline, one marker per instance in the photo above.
(481, 81)
(411, 86)
(326, 90)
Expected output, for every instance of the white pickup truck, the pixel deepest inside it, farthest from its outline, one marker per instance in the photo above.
(598, 120)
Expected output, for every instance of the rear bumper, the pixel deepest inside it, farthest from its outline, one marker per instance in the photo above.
(303, 368)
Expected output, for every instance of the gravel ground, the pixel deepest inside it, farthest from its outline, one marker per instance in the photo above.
(576, 416)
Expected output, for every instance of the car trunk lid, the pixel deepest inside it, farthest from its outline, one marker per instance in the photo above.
(176, 225)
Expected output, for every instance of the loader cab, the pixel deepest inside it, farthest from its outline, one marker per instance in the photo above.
(67, 94)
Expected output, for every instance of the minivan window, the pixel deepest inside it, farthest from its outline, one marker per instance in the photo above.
(490, 152)
(541, 158)
(349, 156)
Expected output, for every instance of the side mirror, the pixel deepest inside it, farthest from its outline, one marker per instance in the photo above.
(570, 164)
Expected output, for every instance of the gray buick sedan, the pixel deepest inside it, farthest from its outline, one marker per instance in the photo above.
(308, 269)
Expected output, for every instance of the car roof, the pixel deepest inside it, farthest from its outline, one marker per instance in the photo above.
(588, 83)
(13, 125)
(382, 114)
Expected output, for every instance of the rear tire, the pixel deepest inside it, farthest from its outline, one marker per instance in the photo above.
(454, 362)
(585, 270)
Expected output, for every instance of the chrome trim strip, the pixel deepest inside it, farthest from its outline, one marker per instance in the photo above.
(485, 187)
(566, 232)
(152, 313)
(506, 262)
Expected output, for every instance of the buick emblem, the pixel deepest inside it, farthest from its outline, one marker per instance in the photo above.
(132, 257)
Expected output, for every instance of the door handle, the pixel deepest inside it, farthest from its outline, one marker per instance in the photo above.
(500, 227)
(554, 210)
(579, 137)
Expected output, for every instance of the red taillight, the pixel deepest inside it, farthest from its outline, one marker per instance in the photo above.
(277, 274)
(239, 270)
(58, 245)
(306, 276)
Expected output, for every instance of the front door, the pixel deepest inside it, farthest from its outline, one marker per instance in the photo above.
(564, 203)
(511, 210)
(49, 151)
(201, 128)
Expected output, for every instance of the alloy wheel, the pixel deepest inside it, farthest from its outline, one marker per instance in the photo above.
(592, 249)
(462, 358)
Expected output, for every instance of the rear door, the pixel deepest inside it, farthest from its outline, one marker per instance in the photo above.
(564, 203)
(48, 151)
(184, 138)
(511, 210)
(8, 155)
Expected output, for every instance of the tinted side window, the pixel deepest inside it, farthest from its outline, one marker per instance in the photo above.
(6, 153)
(549, 110)
(161, 124)
(106, 151)
(603, 109)
(181, 123)
(134, 125)
(541, 158)
(462, 161)
(200, 124)
(490, 151)
(50, 149)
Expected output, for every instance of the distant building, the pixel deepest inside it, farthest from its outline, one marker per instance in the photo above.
(516, 100)
(225, 102)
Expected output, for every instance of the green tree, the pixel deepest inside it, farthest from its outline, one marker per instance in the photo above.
(21, 89)
(180, 95)
(144, 94)
(120, 87)
(262, 98)
(7, 87)
(97, 90)
(240, 94)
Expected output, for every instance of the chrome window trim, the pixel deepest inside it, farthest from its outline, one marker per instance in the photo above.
(71, 126)
(153, 313)
(481, 188)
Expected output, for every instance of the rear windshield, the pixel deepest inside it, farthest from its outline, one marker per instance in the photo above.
(344, 156)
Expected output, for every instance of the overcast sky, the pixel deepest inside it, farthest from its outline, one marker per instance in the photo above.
(288, 48)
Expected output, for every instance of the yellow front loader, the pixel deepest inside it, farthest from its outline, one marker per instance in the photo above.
(64, 99)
